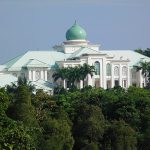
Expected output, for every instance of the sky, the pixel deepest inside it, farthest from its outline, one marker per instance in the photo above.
(41, 24)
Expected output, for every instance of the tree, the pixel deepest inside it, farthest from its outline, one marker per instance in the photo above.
(85, 70)
(144, 140)
(139, 50)
(60, 73)
(145, 67)
(73, 74)
(88, 126)
(120, 136)
(21, 110)
(91, 146)
(145, 52)
(57, 132)
(13, 134)
(21, 81)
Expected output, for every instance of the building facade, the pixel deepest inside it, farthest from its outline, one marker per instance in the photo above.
(113, 67)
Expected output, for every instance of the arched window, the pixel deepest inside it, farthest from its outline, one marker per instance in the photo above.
(97, 68)
(108, 69)
(124, 71)
(37, 75)
(116, 71)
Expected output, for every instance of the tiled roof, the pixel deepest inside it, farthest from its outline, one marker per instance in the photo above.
(84, 50)
(47, 57)
(7, 79)
(133, 57)
(35, 63)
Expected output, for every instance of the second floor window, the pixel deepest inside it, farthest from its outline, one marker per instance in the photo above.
(108, 69)
(116, 71)
(97, 68)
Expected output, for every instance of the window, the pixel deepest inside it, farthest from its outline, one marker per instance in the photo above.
(108, 84)
(124, 71)
(116, 71)
(108, 69)
(97, 68)
(124, 83)
(116, 82)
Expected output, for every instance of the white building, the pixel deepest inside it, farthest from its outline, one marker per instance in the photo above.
(113, 67)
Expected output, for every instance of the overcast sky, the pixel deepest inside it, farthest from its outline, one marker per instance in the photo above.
(40, 24)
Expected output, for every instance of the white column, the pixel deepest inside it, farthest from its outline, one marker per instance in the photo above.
(45, 72)
(120, 75)
(89, 76)
(104, 73)
(34, 75)
(42, 75)
(81, 84)
(128, 77)
(140, 79)
(30, 75)
(64, 82)
(93, 81)
(112, 76)
(101, 75)
(89, 80)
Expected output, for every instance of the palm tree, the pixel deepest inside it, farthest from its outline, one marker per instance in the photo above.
(145, 67)
(73, 74)
(85, 70)
(60, 73)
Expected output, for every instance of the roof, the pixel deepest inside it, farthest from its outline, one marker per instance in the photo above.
(2, 67)
(84, 50)
(35, 63)
(38, 57)
(133, 56)
(7, 79)
(45, 85)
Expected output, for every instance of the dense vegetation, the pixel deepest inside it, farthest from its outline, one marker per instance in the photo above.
(87, 119)
(145, 52)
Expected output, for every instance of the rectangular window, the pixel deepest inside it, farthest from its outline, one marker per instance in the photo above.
(116, 82)
(124, 83)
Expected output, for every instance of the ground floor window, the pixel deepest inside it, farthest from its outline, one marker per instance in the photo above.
(97, 83)
(116, 82)
(134, 84)
(124, 83)
(108, 84)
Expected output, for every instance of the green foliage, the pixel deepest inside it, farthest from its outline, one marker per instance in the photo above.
(91, 146)
(73, 74)
(21, 109)
(145, 52)
(4, 101)
(120, 136)
(57, 133)
(14, 135)
(90, 119)
(88, 126)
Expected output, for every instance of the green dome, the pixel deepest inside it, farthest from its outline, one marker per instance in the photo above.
(76, 32)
